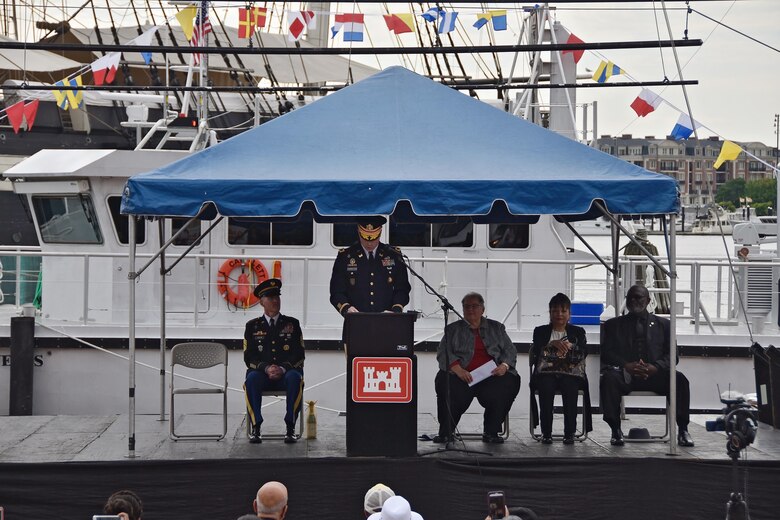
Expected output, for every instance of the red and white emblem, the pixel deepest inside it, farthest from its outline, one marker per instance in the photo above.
(381, 380)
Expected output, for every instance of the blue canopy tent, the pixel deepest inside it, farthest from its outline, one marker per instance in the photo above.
(397, 138)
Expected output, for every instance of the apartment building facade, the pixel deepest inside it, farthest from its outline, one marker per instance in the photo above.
(691, 162)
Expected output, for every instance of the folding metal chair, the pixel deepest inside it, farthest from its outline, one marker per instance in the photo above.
(647, 393)
(279, 436)
(582, 432)
(199, 355)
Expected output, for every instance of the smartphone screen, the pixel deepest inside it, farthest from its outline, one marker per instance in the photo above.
(496, 504)
(106, 517)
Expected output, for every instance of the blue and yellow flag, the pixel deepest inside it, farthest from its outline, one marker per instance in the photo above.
(60, 95)
(606, 70)
(497, 17)
(75, 97)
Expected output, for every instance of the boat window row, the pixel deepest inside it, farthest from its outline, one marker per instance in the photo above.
(71, 219)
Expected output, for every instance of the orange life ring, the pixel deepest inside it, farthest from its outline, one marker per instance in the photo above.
(243, 295)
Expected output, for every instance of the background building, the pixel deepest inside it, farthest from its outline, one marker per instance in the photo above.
(691, 162)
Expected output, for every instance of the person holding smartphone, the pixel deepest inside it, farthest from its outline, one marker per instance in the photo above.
(124, 504)
(557, 359)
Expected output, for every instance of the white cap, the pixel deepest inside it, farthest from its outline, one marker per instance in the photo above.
(396, 508)
(375, 498)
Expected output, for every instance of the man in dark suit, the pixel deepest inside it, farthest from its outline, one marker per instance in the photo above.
(369, 276)
(274, 354)
(635, 356)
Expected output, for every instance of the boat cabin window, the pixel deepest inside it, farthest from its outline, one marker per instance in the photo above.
(344, 234)
(256, 232)
(120, 223)
(67, 219)
(188, 237)
(508, 236)
(459, 233)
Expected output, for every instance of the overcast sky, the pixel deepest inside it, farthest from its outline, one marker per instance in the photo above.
(739, 80)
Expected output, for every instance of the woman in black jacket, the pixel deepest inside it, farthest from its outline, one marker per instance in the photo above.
(557, 360)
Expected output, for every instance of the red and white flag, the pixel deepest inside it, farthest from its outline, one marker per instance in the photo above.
(104, 68)
(577, 54)
(647, 101)
(298, 21)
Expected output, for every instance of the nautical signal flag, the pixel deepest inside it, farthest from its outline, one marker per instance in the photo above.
(447, 22)
(260, 13)
(298, 21)
(606, 70)
(647, 101)
(104, 68)
(19, 113)
(185, 18)
(432, 14)
(497, 17)
(69, 99)
(684, 127)
(246, 23)
(577, 54)
(145, 39)
(352, 25)
(728, 152)
(400, 23)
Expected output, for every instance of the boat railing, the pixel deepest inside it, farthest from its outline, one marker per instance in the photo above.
(706, 293)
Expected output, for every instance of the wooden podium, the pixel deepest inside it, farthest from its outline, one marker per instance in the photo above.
(381, 384)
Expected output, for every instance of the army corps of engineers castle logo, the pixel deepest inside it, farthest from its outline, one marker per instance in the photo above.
(381, 380)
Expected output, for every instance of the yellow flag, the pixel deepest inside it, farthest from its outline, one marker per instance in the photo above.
(728, 152)
(186, 18)
(75, 97)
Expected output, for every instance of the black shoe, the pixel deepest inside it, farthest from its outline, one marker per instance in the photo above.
(289, 437)
(684, 439)
(442, 439)
(254, 435)
(492, 438)
(568, 439)
(617, 438)
(546, 439)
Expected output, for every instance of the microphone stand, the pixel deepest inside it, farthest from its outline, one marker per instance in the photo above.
(446, 306)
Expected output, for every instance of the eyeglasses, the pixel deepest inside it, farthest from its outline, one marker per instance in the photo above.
(471, 306)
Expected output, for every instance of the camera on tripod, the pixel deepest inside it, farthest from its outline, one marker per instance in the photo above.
(739, 421)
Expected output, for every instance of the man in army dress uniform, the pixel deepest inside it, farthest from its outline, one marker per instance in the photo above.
(273, 353)
(369, 276)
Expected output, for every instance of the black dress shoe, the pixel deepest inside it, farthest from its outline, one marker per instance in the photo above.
(442, 439)
(492, 438)
(254, 435)
(568, 439)
(289, 437)
(684, 439)
(617, 438)
(546, 439)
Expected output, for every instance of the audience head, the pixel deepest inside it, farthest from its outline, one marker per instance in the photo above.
(637, 299)
(396, 508)
(375, 498)
(271, 501)
(124, 503)
(560, 310)
(473, 308)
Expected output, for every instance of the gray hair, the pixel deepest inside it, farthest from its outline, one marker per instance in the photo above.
(473, 295)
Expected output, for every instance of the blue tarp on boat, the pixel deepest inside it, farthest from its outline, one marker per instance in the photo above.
(397, 136)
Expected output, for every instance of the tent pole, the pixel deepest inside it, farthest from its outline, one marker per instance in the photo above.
(615, 232)
(131, 275)
(161, 232)
(673, 335)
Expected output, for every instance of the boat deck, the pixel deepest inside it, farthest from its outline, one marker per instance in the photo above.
(80, 460)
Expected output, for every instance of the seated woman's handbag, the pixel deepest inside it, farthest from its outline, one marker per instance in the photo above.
(572, 364)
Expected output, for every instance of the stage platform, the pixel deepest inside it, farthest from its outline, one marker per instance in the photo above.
(65, 467)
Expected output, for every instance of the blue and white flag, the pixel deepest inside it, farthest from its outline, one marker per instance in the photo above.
(684, 128)
(447, 22)
(431, 14)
